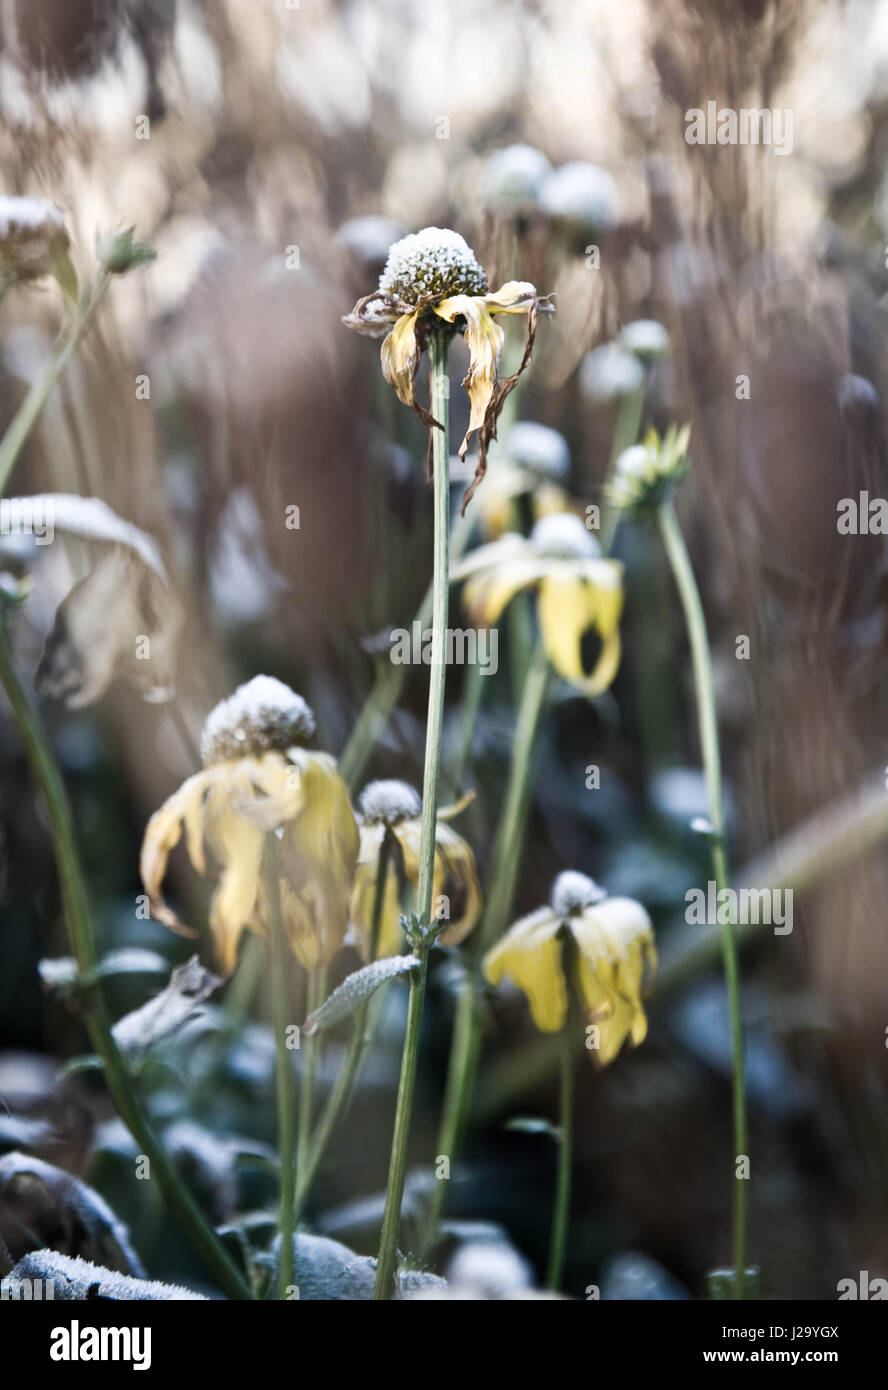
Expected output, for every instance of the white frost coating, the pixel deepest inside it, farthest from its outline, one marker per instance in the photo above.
(563, 535)
(25, 217)
(260, 716)
(582, 195)
(389, 802)
(433, 261)
(87, 518)
(574, 892)
(512, 179)
(75, 1279)
(609, 372)
(539, 448)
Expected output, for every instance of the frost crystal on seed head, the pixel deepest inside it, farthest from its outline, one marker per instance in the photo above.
(261, 716)
(433, 261)
(563, 536)
(573, 892)
(389, 802)
(539, 448)
(582, 196)
(609, 372)
(646, 338)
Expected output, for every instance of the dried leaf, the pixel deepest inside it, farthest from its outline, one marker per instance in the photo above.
(190, 984)
(39, 1202)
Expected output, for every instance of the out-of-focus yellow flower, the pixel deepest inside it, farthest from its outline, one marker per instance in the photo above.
(259, 776)
(615, 958)
(534, 463)
(432, 278)
(578, 590)
(394, 808)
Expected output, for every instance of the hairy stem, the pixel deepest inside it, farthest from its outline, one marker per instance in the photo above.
(391, 1221)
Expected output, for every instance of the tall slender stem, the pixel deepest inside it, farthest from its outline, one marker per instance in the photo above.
(282, 1020)
(28, 412)
(438, 344)
(499, 897)
(316, 993)
(682, 569)
(48, 778)
(340, 1096)
(561, 1208)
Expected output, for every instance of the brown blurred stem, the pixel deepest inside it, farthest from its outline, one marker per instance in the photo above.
(48, 778)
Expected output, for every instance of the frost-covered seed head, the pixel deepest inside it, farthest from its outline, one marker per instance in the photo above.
(369, 238)
(609, 372)
(540, 449)
(260, 717)
(646, 338)
(512, 179)
(564, 536)
(583, 196)
(389, 802)
(32, 232)
(433, 261)
(573, 892)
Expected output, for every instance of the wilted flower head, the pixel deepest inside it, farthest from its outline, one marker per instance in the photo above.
(582, 197)
(259, 776)
(578, 591)
(512, 179)
(535, 459)
(609, 372)
(614, 959)
(394, 808)
(646, 338)
(646, 474)
(432, 280)
(33, 240)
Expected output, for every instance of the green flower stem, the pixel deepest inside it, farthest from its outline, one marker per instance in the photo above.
(679, 559)
(561, 1209)
(340, 1096)
(279, 962)
(440, 392)
(625, 435)
(38, 393)
(123, 1093)
(499, 897)
(315, 995)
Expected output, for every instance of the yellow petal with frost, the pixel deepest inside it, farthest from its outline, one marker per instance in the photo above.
(569, 605)
(530, 955)
(484, 340)
(400, 353)
(162, 834)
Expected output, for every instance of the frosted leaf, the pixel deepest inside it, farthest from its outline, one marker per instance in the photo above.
(50, 1203)
(75, 1279)
(326, 1269)
(355, 989)
(259, 717)
(190, 984)
(433, 261)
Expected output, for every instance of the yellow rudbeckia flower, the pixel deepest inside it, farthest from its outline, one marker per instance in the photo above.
(577, 589)
(432, 278)
(613, 959)
(394, 809)
(259, 776)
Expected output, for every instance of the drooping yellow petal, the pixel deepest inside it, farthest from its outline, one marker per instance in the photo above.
(569, 604)
(319, 854)
(238, 847)
(459, 880)
(484, 339)
(400, 353)
(530, 954)
(616, 950)
(162, 834)
(514, 297)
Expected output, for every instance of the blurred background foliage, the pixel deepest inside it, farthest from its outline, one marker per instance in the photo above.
(327, 131)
